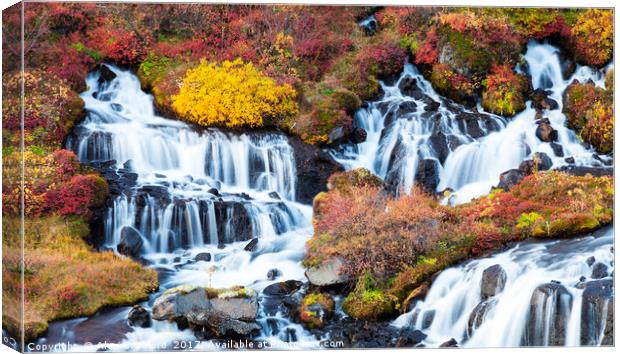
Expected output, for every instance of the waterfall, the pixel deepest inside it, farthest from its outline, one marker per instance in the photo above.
(414, 135)
(187, 191)
(540, 303)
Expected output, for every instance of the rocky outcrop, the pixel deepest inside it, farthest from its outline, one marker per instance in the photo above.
(223, 312)
(139, 317)
(313, 167)
(328, 273)
(131, 243)
(493, 281)
(597, 313)
(540, 100)
(550, 308)
(509, 179)
(478, 315)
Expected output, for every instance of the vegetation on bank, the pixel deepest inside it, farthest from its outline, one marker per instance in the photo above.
(589, 110)
(329, 61)
(64, 276)
(392, 248)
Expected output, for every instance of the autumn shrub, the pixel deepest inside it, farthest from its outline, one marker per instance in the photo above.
(504, 91)
(536, 23)
(309, 309)
(368, 301)
(78, 195)
(232, 94)
(451, 84)
(51, 109)
(118, 45)
(381, 60)
(592, 36)
(589, 110)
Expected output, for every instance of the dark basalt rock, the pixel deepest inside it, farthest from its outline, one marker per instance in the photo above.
(570, 160)
(273, 274)
(540, 100)
(546, 133)
(233, 221)
(105, 74)
(539, 162)
(584, 170)
(139, 317)
(427, 174)
(552, 299)
(557, 149)
(354, 333)
(443, 144)
(313, 167)
(214, 191)
(203, 257)
(567, 64)
(597, 310)
(452, 343)
(274, 195)
(408, 86)
(409, 337)
(251, 246)
(478, 315)
(358, 135)
(284, 288)
(493, 281)
(599, 270)
(131, 242)
(510, 178)
(590, 261)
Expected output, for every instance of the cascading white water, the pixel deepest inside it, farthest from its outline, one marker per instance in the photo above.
(402, 133)
(510, 319)
(195, 191)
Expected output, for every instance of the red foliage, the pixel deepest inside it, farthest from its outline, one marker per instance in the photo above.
(427, 53)
(118, 45)
(67, 164)
(382, 59)
(76, 196)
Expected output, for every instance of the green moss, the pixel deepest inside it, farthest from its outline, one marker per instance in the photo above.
(359, 177)
(212, 293)
(315, 308)
(368, 302)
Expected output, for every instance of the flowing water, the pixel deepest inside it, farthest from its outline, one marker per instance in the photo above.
(198, 190)
(195, 191)
(404, 134)
(455, 293)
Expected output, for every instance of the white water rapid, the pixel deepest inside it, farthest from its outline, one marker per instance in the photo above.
(541, 303)
(414, 135)
(194, 191)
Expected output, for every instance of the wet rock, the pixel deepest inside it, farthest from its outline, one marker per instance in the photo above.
(337, 135)
(584, 170)
(418, 294)
(567, 65)
(546, 133)
(550, 307)
(233, 221)
(427, 174)
(139, 317)
(409, 337)
(493, 281)
(273, 274)
(369, 26)
(408, 86)
(590, 261)
(214, 191)
(599, 271)
(570, 160)
(284, 288)
(478, 315)
(452, 343)
(131, 242)
(251, 246)
(352, 333)
(510, 178)
(105, 74)
(358, 135)
(203, 257)
(224, 312)
(431, 105)
(470, 122)
(328, 273)
(539, 162)
(313, 167)
(597, 313)
(557, 149)
(540, 100)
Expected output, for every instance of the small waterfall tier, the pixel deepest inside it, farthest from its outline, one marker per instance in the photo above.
(416, 136)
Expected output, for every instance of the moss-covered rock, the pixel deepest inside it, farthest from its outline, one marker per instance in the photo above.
(315, 309)
(504, 91)
(368, 301)
(359, 177)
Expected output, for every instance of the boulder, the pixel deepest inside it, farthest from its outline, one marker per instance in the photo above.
(539, 162)
(478, 315)
(273, 273)
(408, 86)
(409, 337)
(274, 195)
(203, 257)
(224, 312)
(599, 270)
(510, 178)
(251, 246)
(590, 261)
(493, 281)
(452, 343)
(597, 313)
(546, 133)
(557, 149)
(313, 167)
(328, 273)
(105, 74)
(283, 288)
(567, 64)
(358, 135)
(584, 170)
(550, 308)
(540, 100)
(418, 294)
(427, 174)
(139, 317)
(131, 242)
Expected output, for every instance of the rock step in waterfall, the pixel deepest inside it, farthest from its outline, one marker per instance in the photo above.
(416, 136)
